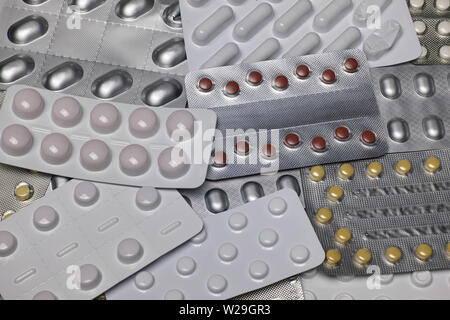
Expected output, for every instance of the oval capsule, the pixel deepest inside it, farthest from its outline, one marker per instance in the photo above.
(206, 30)
(172, 16)
(62, 76)
(169, 53)
(85, 6)
(331, 14)
(390, 87)
(34, 2)
(222, 57)
(398, 130)
(264, 51)
(304, 46)
(216, 201)
(161, 92)
(112, 84)
(424, 85)
(251, 191)
(27, 29)
(253, 22)
(15, 68)
(345, 40)
(133, 9)
(288, 182)
(433, 128)
(284, 25)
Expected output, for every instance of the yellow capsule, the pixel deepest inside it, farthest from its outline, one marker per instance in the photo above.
(393, 254)
(335, 193)
(346, 171)
(448, 250)
(362, 257)
(403, 167)
(324, 216)
(374, 170)
(7, 214)
(23, 191)
(432, 165)
(34, 172)
(332, 258)
(343, 236)
(317, 173)
(424, 252)
(101, 297)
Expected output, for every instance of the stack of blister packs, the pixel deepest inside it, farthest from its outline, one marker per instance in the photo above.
(234, 149)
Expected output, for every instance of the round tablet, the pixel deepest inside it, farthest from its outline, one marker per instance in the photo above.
(335, 193)
(66, 112)
(242, 147)
(368, 137)
(417, 4)
(232, 89)
(443, 28)
(332, 258)
(23, 191)
(299, 254)
(173, 163)
(205, 84)
(393, 254)
(442, 5)
(292, 140)
(328, 76)
(237, 221)
(362, 257)
(317, 173)
(319, 144)
(186, 266)
(258, 270)
(143, 123)
(129, 251)
(324, 215)
(217, 284)
(424, 53)
(420, 27)
(105, 118)
(134, 160)
(180, 125)
(228, 252)
(302, 71)
(8, 243)
(16, 140)
(45, 218)
(254, 78)
(280, 82)
(343, 236)
(174, 295)
(95, 155)
(342, 133)
(268, 238)
(346, 171)
(403, 167)
(86, 194)
(28, 104)
(444, 52)
(351, 65)
(44, 295)
(56, 148)
(432, 165)
(277, 206)
(423, 252)
(148, 198)
(374, 170)
(219, 159)
(269, 151)
(90, 277)
(144, 280)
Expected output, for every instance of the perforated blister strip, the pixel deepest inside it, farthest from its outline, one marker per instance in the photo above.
(227, 32)
(413, 102)
(244, 249)
(83, 238)
(432, 285)
(291, 113)
(432, 24)
(116, 143)
(389, 213)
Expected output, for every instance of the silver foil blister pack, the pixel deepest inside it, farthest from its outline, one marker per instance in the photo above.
(38, 49)
(414, 103)
(432, 24)
(289, 113)
(390, 214)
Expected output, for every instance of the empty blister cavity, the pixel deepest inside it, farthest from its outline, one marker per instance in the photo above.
(169, 53)
(112, 84)
(253, 22)
(209, 28)
(331, 14)
(368, 10)
(161, 92)
(382, 40)
(85, 6)
(133, 9)
(62, 76)
(294, 16)
(304, 46)
(222, 57)
(346, 40)
(398, 130)
(433, 127)
(27, 29)
(424, 85)
(172, 16)
(15, 68)
(390, 87)
(266, 50)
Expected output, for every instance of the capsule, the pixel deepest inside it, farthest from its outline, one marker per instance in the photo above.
(15, 68)
(346, 40)
(62, 76)
(222, 57)
(264, 51)
(331, 14)
(161, 92)
(27, 29)
(85, 6)
(216, 201)
(398, 130)
(209, 28)
(253, 22)
(424, 85)
(133, 9)
(306, 45)
(251, 191)
(433, 127)
(112, 84)
(169, 53)
(293, 17)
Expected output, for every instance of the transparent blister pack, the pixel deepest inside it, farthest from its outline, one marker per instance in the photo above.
(290, 113)
(432, 24)
(84, 238)
(243, 249)
(420, 285)
(413, 102)
(389, 213)
(114, 143)
(220, 33)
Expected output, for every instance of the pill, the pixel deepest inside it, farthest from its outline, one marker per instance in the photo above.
(56, 148)
(231, 89)
(16, 140)
(45, 295)
(242, 148)
(368, 137)
(351, 65)
(304, 46)
(86, 194)
(173, 163)
(444, 52)
(254, 78)
(62, 76)
(28, 104)
(346, 40)
(216, 201)
(317, 173)
(180, 125)
(448, 250)
(90, 277)
(362, 257)
(292, 18)
(105, 118)
(346, 171)
(423, 252)
(209, 28)
(129, 251)
(332, 258)
(382, 40)
(15, 68)
(219, 159)
(205, 84)
(28, 29)
(222, 57)
(302, 71)
(393, 254)
(342, 133)
(335, 194)
(442, 5)
(420, 27)
(324, 215)
(95, 155)
(417, 4)
(328, 76)
(23, 191)
(112, 84)
(343, 236)
(432, 165)
(269, 151)
(319, 144)
(143, 123)
(292, 140)
(66, 112)
(331, 14)
(45, 218)
(424, 53)
(134, 160)
(280, 82)
(253, 22)
(8, 243)
(374, 170)
(266, 50)
(443, 28)
(403, 167)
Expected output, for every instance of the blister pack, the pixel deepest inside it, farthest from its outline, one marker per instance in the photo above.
(413, 102)
(220, 33)
(432, 24)
(288, 289)
(83, 238)
(243, 249)
(290, 113)
(115, 143)
(389, 213)
(420, 285)
(39, 39)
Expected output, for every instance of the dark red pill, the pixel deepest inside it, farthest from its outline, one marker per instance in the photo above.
(342, 133)
(281, 82)
(232, 88)
(205, 84)
(368, 137)
(220, 159)
(254, 78)
(302, 71)
(328, 76)
(292, 140)
(242, 147)
(351, 65)
(319, 143)
(269, 151)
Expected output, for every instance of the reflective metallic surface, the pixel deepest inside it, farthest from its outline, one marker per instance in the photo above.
(169, 53)
(161, 92)
(172, 16)
(85, 6)
(433, 127)
(398, 130)
(34, 2)
(112, 84)
(288, 182)
(216, 200)
(27, 29)
(424, 85)
(62, 76)
(133, 9)
(390, 87)
(15, 68)
(251, 191)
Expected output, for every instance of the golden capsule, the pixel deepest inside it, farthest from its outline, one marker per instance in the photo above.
(343, 236)
(317, 173)
(432, 165)
(7, 214)
(403, 167)
(23, 191)
(424, 252)
(346, 171)
(374, 170)
(362, 257)
(393, 254)
(332, 258)
(324, 216)
(335, 193)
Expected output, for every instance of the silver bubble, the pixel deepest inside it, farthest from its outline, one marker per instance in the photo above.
(112, 84)
(398, 130)
(27, 29)
(251, 191)
(16, 67)
(172, 16)
(133, 9)
(216, 201)
(433, 127)
(424, 85)
(34, 2)
(390, 87)
(62, 76)
(161, 92)
(288, 182)
(169, 53)
(85, 6)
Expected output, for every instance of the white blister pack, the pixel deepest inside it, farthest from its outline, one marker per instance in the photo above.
(238, 251)
(113, 143)
(84, 238)
(432, 285)
(219, 33)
